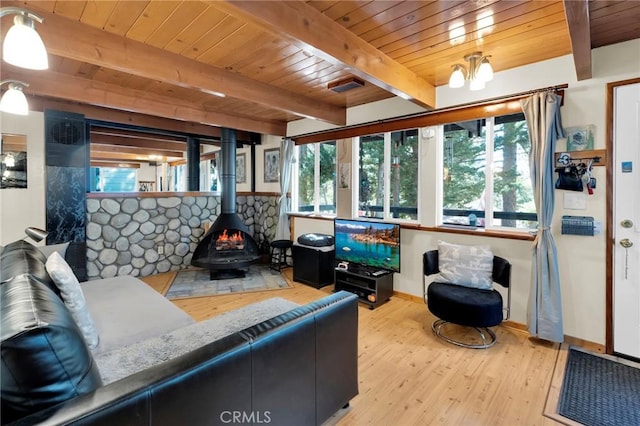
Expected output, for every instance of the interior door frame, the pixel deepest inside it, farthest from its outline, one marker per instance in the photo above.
(610, 242)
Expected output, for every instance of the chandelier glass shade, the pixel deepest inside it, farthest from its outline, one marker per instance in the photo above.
(14, 101)
(22, 45)
(478, 72)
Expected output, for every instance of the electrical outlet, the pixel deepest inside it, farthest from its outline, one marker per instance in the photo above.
(160, 249)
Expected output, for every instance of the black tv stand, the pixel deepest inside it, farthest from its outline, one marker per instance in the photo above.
(373, 287)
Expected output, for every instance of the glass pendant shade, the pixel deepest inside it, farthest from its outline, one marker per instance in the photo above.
(476, 84)
(23, 46)
(485, 71)
(457, 77)
(14, 101)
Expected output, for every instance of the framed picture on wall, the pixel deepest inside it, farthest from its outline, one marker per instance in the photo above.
(271, 165)
(580, 138)
(13, 169)
(13, 161)
(241, 168)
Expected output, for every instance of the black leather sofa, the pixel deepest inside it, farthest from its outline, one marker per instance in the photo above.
(298, 368)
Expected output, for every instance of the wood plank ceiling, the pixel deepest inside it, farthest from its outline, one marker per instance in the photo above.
(134, 61)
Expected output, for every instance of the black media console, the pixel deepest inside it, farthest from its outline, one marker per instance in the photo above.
(372, 287)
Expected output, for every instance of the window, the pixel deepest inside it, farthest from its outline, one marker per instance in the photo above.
(178, 177)
(209, 175)
(403, 191)
(315, 178)
(488, 153)
(371, 176)
(113, 179)
(388, 175)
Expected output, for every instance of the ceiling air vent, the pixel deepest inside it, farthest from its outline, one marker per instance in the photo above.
(345, 84)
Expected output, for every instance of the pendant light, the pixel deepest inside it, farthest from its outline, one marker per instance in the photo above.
(14, 101)
(22, 44)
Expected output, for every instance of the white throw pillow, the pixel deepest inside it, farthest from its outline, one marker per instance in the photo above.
(469, 266)
(60, 248)
(73, 298)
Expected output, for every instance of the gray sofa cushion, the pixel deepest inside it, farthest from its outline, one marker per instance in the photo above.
(126, 310)
(124, 361)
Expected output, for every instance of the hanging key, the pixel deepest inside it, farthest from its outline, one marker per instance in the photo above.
(626, 243)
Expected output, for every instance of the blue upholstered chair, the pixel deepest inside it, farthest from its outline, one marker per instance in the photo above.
(465, 306)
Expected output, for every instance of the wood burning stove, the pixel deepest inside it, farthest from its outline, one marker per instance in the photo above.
(228, 247)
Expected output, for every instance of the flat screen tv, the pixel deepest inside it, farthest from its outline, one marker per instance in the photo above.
(374, 245)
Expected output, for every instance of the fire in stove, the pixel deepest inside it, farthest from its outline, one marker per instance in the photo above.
(230, 242)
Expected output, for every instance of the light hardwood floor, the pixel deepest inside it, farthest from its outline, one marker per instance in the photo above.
(409, 377)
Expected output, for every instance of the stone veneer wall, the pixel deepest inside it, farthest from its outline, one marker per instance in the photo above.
(124, 233)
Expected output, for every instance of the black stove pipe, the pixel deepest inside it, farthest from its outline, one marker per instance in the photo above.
(193, 164)
(228, 176)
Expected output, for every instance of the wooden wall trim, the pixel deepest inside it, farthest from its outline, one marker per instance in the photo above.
(522, 236)
(488, 108)
(163, 194)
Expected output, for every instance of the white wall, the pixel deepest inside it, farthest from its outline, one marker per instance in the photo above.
(582, 259)
(303, 225)
(24, 207)
(147, 173)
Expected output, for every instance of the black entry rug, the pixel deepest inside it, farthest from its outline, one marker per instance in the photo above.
(597, 391)
(196, 283)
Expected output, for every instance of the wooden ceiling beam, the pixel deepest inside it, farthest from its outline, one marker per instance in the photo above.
(40, 103)
(242, 136)
(118, 164)
(577, 13)
(125, 133)
(57, 85)
(98, 138)
(98, 147)
(11, 142)
(72, 39)
(121, 156)
(314, 32)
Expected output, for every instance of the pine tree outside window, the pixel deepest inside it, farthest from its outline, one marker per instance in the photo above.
(314, 179)
(493, 154)
(387, 167)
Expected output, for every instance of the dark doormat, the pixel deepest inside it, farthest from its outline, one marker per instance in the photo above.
(597, 391)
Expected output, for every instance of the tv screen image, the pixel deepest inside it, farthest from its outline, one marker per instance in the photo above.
(375, 245)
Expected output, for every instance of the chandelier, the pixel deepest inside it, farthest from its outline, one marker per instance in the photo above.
(479, 71)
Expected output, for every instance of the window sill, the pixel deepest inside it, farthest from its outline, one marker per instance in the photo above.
(312, 215)
(478, 232)
(481, 232)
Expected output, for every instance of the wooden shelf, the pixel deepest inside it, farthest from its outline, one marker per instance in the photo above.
(578, 156)
(371, 290)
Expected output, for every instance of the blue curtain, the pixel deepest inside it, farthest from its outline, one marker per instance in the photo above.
(544, 311)
(286, 164)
